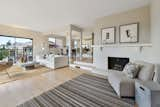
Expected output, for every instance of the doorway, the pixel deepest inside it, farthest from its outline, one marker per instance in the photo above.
(76, 46)
(82, 51)
(87, 50)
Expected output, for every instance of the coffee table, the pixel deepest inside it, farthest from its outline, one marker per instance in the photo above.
(29, 65)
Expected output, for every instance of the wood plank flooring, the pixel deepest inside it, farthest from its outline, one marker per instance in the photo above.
(16, 72)
(17, 92)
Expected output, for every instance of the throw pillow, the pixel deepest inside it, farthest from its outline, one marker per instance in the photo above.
(146, 72)
(131, 70)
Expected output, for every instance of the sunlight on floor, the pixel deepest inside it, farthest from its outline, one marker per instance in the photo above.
(17, 92)
(15, 72)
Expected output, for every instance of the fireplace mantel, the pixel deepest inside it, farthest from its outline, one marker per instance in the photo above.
(140, 46)
(123, 45)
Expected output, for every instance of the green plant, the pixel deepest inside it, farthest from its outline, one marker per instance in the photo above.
(3, 53)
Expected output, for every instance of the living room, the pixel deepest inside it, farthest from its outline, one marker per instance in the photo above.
(80, 53)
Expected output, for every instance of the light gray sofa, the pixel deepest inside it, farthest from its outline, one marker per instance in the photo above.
(125, 86)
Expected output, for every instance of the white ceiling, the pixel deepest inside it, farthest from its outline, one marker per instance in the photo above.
(48, 15)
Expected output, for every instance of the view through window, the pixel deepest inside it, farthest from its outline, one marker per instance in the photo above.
(15, 49)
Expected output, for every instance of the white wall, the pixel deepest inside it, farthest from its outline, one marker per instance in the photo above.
(39, 40)
(153, 54)
(141, 15)
(149, 19)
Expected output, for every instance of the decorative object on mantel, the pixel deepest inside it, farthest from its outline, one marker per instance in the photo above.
(108, 35)
(129, 33)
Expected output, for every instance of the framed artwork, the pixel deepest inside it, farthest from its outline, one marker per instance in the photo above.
(108, 35)
(129, 33)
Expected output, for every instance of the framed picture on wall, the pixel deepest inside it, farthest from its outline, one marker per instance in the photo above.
(129, 33)
(108, 35)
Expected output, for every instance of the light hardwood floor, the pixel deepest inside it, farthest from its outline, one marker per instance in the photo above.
(19, 91)
(16, 72)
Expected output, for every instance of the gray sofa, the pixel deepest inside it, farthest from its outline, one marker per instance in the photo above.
(125, 86)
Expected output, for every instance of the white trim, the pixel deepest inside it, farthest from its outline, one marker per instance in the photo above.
(122, 45)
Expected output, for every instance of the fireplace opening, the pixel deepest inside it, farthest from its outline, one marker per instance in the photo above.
(117, 63)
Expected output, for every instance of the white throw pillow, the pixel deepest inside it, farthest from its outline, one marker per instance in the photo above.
(146, 72)
(131, 70)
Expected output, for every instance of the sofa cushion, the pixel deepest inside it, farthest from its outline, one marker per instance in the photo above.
(157, 73)
(131, 70)
(146, 71)
(124, 86)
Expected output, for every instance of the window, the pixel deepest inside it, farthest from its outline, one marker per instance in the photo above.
(55, 42)
(59, 43)
(16, 49)
(52, 40)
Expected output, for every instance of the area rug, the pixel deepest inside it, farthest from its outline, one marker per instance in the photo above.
(83, 91)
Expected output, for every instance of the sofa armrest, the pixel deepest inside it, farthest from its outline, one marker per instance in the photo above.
(123, 86)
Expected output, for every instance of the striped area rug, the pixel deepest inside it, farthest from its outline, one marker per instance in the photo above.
(83, 91)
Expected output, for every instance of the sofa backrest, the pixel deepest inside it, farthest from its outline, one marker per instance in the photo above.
(146, 72)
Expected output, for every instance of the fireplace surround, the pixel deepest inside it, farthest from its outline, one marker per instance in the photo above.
(117, 63)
